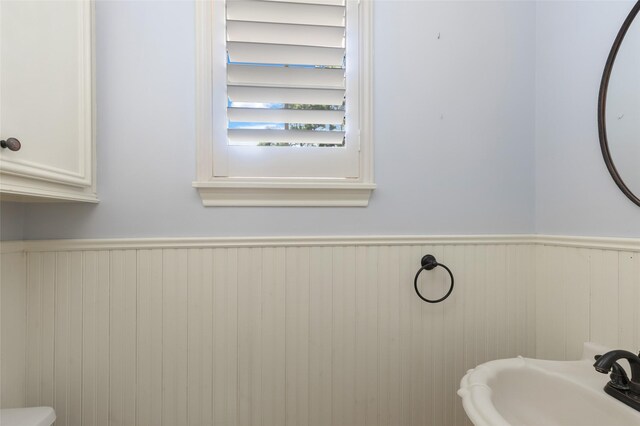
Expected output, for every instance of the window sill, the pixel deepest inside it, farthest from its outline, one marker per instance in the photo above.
(284, 194)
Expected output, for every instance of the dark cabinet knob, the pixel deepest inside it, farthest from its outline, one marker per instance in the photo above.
(12, 143)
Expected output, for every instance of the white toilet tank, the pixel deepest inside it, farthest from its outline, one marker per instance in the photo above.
(33, 416)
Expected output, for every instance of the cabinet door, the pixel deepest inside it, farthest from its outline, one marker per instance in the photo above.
(46, 94)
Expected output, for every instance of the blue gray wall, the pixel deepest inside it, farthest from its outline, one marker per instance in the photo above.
(11, 221)
(474, 132)
(454, 129)
(575, 194)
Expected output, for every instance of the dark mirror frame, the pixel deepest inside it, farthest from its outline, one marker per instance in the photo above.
(602, 105)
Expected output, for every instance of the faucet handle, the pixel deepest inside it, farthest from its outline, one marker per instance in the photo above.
(618, 376)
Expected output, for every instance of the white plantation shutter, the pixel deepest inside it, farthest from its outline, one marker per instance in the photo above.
(289, 106)
(283, 102)
(286, 60)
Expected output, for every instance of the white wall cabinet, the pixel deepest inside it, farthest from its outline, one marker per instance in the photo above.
(47, 100)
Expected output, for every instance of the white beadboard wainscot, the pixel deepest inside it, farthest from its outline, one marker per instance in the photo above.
(13, 313)
(587, 290)
(271, 332)
(295, 331)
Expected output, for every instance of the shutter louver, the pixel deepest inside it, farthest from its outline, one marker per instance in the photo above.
(286, 72)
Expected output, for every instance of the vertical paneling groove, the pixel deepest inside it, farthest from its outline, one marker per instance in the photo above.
(200, 349)
(76, 321)
(116, 330)
(435, 339)
(517, 303)
(530, 279)
(304, 335)
(233, 404)
(360, 402)
(500, 291)
(206, 316)
(541, 308)
(13, 312)
(482, 326)
(149, 343)
(343, 335)
(575, 275)
(280, 321)
(255, 303)
(370, 334)
(61, 332)
(34, 329)
(604, 297)
(123, 325)
(510, 285)
(225, 340)
(405, 290)
(339, 399)
(519, 282)
(103, 338)
(454, 330)
(48, 329)
(417, 390)
(250, 310)
(555, 296)
(273, 337)
(471, 309)
(195, 304)
(629, 300)
(395, 288)
(174, 337)
(383, 331)
(95, 338)
(268, 338)
(320, 315)
(490, 297)
(577, 291)
(296, 336)
(220, 375)
(89, 338)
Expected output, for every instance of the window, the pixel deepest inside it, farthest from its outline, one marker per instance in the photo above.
(284, 102)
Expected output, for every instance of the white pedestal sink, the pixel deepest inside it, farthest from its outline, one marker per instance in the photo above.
(524, 391)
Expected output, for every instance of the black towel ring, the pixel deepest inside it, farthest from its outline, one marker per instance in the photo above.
(428, 263)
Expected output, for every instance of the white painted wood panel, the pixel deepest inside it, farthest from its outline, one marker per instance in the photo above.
(200, 337)
(629, 300)
(276, 335)
(174, 337)
(95, 338)
(46, 77)
(122, 326)
(149, 337)
(49, 307)
(225, 336)
(273, 339)
(13, 325)
(34, 326)
(279, 334)
(586, 294)
(296, 336)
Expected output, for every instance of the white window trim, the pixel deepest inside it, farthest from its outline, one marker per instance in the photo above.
(232, 191)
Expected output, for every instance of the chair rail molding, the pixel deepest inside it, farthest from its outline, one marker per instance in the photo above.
(605, 243)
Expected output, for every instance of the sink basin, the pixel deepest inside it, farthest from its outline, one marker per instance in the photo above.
(525, 391)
